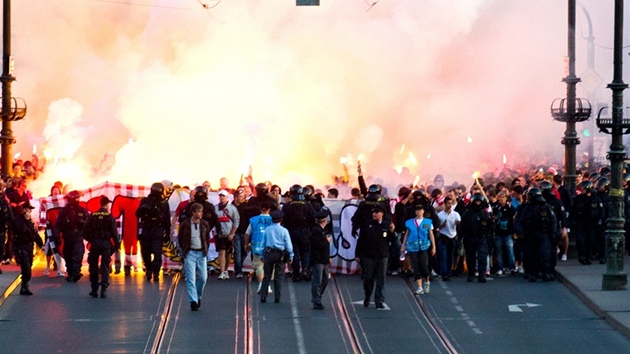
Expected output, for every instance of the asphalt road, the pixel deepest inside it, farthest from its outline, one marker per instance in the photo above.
(505, 315)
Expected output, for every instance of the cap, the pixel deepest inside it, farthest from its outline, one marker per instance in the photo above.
(105, 200)
(224, 192)
(277, 214)
(27, 205)
(378, 208)
(322, 214)
(419, 206)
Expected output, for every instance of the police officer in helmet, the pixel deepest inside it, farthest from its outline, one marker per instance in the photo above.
(68, 227)
(155, 222)
(101, 234)
(477, 227)
(299, 218)
(586, 215)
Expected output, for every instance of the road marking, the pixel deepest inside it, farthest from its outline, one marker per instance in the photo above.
(299, 334)
(517, 307)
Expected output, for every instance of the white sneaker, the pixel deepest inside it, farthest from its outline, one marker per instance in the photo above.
(60, 274)
(520, 270)
(427, 287)
(259, 286)
(269, 291)
(419, 291)
(46, 271)
(224, 276)
(499, 272)
(563, 258)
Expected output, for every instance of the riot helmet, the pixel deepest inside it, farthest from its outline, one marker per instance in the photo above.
(73, 197)
(477, 197)
(602, 184)
(535, 195)
(261, 189)
(585, 186)
(296, 192)
(626, 177)
(375, 188)
(545, 187)
(594, 177)
(157, 188)
(200, 194)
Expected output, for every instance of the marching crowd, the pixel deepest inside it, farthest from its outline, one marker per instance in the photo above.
(505, 226)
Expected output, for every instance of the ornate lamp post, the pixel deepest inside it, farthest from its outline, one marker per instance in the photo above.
(615, 278)
(570, 109)
(12, 108)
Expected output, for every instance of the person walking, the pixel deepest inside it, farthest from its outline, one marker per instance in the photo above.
(419, 243)
(278, 251)
(155, 219)
(371, 252)
(102, 236)
(25, 234)
(320, 258)
(194, 235)
(68, 227)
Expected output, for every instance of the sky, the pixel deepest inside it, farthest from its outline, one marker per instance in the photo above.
(137, 91)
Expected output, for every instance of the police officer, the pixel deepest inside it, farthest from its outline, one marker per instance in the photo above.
(561, 216)
(320, 258)
(586, 215)
(154, 216)
(539, 226)
(25, 234)
(299, 218)
(68, 226)
(372, 252)
(477, 228)
(101, 234)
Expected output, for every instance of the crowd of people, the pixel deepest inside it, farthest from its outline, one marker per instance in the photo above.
(499, 225)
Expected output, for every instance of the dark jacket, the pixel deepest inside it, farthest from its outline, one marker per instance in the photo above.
(101, 226)
(70, 222)
(320, 248)
(374, 240)
(184, 236)
(24, 232)
(155, 218)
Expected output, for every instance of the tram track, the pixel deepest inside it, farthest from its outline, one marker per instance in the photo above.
(165, 316)
(436, 328)
(342, 315)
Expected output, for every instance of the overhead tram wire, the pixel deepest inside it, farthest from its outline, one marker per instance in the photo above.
(120, 2)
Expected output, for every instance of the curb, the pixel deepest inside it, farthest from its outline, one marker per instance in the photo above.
(601, 313)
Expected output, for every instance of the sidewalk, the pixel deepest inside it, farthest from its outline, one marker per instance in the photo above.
(586, 282)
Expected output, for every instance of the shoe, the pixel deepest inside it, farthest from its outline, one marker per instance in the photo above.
(25, 291)
(318, 307)
(512, 271)
(482, 279)
(148, 277)
(224, 276)
(563, 258)
(395, 272)
(193, 306)
(239, 275)
(93, 294)
(520, 270)
(156, 277)
(545, 277)
(470, 278)
(46, 272)
(117, 271)
(532, 278)
(487, 273)
(433, 273)
(446, 278)
(276, 300)
(103, 293)
(259, 286)
(269, 290)
(212, 270)
(263, 299)
(427, 287)
(76, 277)
(476, 274)
(366, 302)
(419, 291)
(379, 305)
(199, 303)
(6, 261)
(499, 272)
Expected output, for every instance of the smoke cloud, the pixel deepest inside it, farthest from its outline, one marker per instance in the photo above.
(167, 89)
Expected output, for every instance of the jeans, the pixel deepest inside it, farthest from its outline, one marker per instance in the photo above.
(239, 252)
(445, 248)
(196, 275)
(499, 243)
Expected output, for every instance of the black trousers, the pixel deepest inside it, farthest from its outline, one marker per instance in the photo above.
(151, 251)
(100, 250)
(24, 257)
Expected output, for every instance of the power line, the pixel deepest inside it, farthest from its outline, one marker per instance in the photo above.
(118, 2)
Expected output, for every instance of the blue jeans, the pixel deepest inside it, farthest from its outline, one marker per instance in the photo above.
(239, 252)
(196, 274)
(446, 249)
(499, 243)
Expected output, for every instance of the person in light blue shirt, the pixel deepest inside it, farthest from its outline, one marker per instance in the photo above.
(254, 240)
(278, 251)
(419, 243)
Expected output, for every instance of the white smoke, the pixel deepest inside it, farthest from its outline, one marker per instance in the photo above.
(170, 90)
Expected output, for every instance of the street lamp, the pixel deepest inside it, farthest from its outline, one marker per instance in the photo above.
(617, 126)
(570, 109)
(13, 109)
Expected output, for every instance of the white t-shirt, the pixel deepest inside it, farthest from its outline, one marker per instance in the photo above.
(451, 220)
